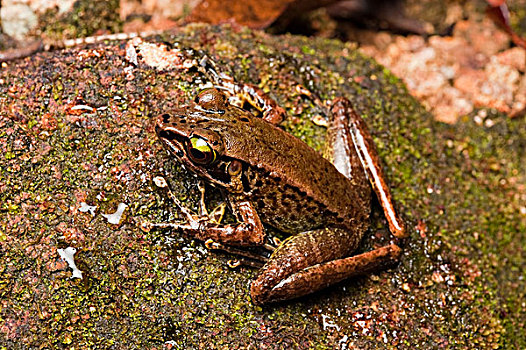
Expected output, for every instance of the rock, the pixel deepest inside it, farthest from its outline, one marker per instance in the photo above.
(76, 130)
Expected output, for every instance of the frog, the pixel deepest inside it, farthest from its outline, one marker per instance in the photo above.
(322, 201)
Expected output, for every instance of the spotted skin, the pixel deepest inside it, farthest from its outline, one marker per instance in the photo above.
(273, 177)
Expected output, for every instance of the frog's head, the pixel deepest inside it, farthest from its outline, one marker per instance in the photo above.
(188, 135)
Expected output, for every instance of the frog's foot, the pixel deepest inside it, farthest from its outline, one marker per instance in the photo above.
(291, 273)
(235, 263)
(210, 244)
(257, 98)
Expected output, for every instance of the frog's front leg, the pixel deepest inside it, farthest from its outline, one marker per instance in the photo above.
(315, 260)
(248, 232)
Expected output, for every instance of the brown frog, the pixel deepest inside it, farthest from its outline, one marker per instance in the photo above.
(272, 177)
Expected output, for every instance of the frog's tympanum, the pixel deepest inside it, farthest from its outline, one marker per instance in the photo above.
(272, 177)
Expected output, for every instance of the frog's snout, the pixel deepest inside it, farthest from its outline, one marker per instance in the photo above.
(166, 132)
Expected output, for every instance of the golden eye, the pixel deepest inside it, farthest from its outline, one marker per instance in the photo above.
(200, 152)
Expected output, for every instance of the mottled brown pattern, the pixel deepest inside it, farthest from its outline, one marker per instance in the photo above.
(292, 210)
(318, 185)
(284, 183)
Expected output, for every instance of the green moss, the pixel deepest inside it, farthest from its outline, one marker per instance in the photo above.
(85, 19)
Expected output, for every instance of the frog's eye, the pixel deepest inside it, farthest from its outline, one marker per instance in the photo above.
(200, 152)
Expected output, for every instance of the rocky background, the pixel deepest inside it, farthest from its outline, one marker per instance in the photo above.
(79, 158)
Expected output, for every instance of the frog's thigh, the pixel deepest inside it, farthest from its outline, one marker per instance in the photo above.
(269, 288)
(301, 251)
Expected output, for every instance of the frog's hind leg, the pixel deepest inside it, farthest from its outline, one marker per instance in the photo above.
(290, 273)
(257, 98)
(343, 114)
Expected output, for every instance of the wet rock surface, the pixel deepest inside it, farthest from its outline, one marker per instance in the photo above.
(77, 142)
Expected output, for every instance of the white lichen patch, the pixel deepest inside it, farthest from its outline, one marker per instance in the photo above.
(67, 255)
(115, 218)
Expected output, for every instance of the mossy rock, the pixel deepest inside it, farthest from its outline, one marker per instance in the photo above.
(76, 126)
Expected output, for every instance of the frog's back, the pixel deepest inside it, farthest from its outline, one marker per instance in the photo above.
(292, 186)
